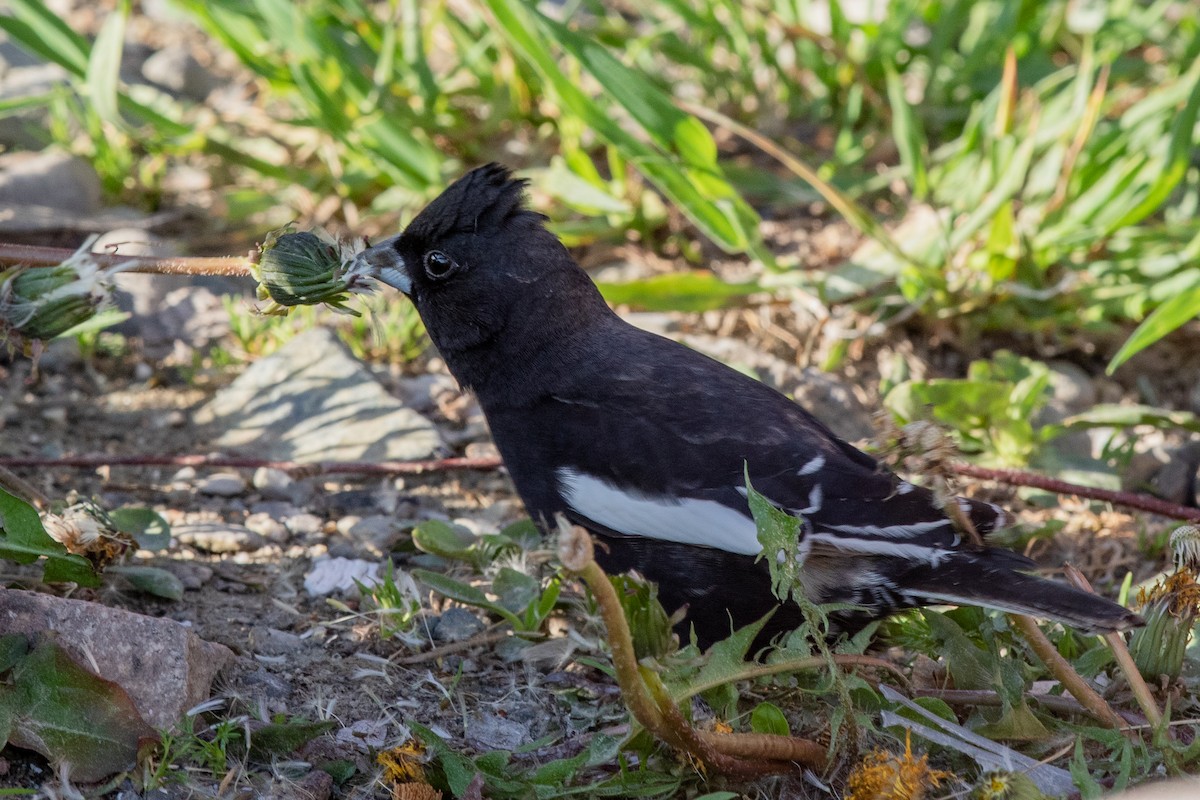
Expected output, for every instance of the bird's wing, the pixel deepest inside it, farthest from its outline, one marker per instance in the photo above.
(658, 443)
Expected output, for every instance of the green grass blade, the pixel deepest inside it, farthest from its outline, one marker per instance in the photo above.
(910, 138)
(715, 216)
(41, 31)
(1170, 315)
(1180, 153)
(104, 66)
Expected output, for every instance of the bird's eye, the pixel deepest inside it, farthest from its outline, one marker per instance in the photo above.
(438, 264)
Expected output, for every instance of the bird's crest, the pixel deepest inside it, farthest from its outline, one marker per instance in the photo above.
(482, 199)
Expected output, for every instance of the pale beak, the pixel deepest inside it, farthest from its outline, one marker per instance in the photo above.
(383, 262)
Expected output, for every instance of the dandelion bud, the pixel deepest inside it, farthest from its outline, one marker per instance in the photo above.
(649, 625)
(307, 269)
(45, 302)
(1170, 609)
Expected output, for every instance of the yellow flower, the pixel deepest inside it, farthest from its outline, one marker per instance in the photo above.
(402, 769)
(885, 776)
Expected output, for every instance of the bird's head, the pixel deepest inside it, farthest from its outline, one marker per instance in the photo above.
(489, 281)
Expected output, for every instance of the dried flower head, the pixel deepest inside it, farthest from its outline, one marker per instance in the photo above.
(45, 302)
(882, 775)
(1185, 543)
(84, 529)
(402, 769)
(308, 268)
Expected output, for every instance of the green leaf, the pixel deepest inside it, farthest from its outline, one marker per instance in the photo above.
(13, 648)
(1109, 415)
(455, 590)
(677, 291)
(97, 322)
(1017, 723)
(768, 718)
(282, 738)
(726, 662)
(970, 665)
(145, 525)
(779, 534)
(104, 65)
(151, 580)
(24, 540)
(1172, 314)
(458, 770)
(515, 589)
(69, 715)
(443, 539)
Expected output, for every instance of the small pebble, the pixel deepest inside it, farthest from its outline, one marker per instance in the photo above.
(365, 734)
(222, 484)
(217, 537)
(344, 524)
(456, 624)
(278, 510)
(190, 574)
(184, 474)
(273, 484)
(304, 524)
(378, 532)
(274, 642)
(354, 501)
(339, 575)
(268, 527)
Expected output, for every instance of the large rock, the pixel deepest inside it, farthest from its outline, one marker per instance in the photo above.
(163, 667)
(51, 178)
(312, 400)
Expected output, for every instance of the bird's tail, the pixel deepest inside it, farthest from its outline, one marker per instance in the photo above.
(993, 579)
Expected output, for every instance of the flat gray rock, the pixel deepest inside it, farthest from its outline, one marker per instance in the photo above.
(163, 667)
(312, 400)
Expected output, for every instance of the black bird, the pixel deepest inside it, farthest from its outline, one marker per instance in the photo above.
(643, 441)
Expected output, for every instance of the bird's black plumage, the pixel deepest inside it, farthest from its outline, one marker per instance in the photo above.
(644, 441)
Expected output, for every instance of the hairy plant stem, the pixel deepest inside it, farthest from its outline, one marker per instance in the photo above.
(48, 256)
(1120, 651)
(1088, 697)
(739, 755)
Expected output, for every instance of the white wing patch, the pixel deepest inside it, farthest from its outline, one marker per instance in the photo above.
(812, 466)
(891, 531)
(874, 547)
(686, 520)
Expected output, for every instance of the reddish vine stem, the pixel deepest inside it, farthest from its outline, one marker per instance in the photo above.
(234, 462)
(48, 256)
(1016, 477)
